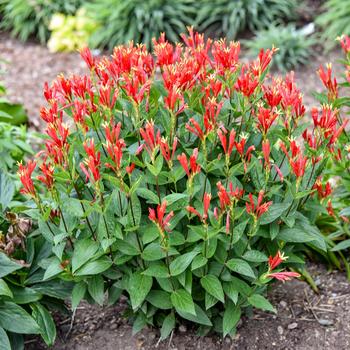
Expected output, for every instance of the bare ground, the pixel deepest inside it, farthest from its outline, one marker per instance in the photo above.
(305, 320)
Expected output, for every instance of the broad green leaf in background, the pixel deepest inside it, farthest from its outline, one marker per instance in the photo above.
(45, 322)
(213, 286)
(182, 301)
(7, 265)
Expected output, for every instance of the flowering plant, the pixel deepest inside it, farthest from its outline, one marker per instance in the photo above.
(333, 188)
(173, 177)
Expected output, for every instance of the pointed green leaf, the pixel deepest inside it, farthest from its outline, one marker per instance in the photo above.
(213, 286)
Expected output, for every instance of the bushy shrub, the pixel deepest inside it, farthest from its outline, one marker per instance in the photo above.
(32, 18)
(70, 33)
(294, 45)
(227, 17)
(179, 182)
(138, 20)
(334, 21)
(334, 187)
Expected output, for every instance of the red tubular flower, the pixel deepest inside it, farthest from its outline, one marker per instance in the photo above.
(191, 168)
(272, 95)
(87, 56)
(225, 56)
(227, 226)
(345, 43)
(266, 117)
(149, 137)
(114, 146)
(227, 198)
(206, 205)
(91, 164)
(283, 276)
(298, 165)
(245, 155)
(25, 175)
(130, 168)
(213, 87)
(228, 150)
(266, 151)
(276, 260)
(330, 209)
(174, 100)
(259, 208)
(165, 150)
(195, 129)
(323, 191)
(158, 217)
(107, 96)
(246, 82)
(135, 87)
(47, 175)
(212, 111)
(165, 52)
(263, 61)
(326, 78)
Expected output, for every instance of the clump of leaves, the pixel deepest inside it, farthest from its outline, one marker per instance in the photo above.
(177, 189)
(227, 17)
(334, 21)
(294, 45)
(70, 33)
(139, 20)
(32, 18)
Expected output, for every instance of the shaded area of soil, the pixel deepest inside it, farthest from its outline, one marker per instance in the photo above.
(304, 321)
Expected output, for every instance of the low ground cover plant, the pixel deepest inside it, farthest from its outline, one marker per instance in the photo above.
(182, 179)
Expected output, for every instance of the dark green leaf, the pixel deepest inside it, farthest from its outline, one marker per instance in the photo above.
(213, 286)
(5, 342)
(181, 263)
(96, 288)
(7, 265)
(94, 267)
(84, 250)
(15, 319)
(231, 317)
(260, 302)
(241, 267)
(78, 294)
(159, 299)
(138, 288)
(167, 327)
(254, 256)
(182, 301)
(45, 322)
(7, 190)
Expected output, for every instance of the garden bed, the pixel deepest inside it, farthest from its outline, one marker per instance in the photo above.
(305, 321)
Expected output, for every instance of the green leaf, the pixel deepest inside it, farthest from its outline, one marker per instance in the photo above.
(200, 317)
(274, 212)
(84, 250)
(4, 340)
(73, 206)
(295, 235)
(7, 265)
(260, 302)
(25, 295)
(167, 326)
(174, 197)
(181, 263)
(341, 246)
(15, 319)
(213, 286)
(231, 317)
(231, 291)
(138, 288)
(147, 194)
(96, 288)
(198, 262)
(182, 301)
(53, 269)
(241, 267)
(4, 289)
(94, 267)
(45, 322)
(7, 190)
(78, 294)
(255, 256)
(159, 299)
(157, 269)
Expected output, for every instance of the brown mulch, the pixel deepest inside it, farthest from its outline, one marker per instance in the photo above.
(304, 321)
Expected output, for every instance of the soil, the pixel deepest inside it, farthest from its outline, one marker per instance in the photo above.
(305, 320)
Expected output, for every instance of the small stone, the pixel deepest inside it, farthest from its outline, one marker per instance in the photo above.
(114, 326)
(325, 322)
(227, 340)
(280, 330)
(292, 325)
(283, 303)
(182, 329)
